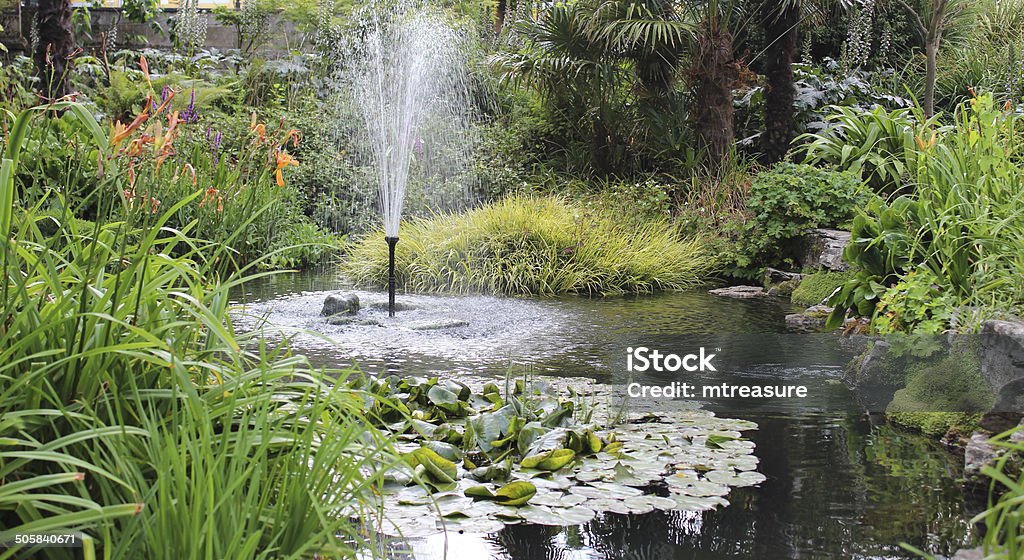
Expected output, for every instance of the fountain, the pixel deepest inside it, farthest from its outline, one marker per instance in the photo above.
(406, 84)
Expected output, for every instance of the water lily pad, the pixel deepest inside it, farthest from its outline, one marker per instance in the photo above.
(440, 469)
(648, 503)
(697, 503)
(609, 504)
(603, 490)
(446, 450)
(515, 493)
(562, 517)
(557, 500)
(478, 524)
(549, 460)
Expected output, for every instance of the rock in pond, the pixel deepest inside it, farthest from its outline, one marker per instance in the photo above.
(340, 304)
(399, 306)
(812, 319)
(436, 325)
(742, 292)
(823, 248)
(338, 320)
(774, 275)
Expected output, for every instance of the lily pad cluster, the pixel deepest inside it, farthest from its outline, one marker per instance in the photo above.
(477, 455)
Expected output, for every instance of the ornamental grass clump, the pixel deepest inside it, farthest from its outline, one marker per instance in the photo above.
(533, 245)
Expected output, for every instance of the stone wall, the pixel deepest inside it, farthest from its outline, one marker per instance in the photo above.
(284, 33)
(1002, 363)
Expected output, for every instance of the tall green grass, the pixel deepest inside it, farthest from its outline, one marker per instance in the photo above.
(130, 408)
(1004, 517)
(524, 245)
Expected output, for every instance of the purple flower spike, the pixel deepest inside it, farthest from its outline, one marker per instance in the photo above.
(190, 115)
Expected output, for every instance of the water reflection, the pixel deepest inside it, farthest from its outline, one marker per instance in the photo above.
(838, 487)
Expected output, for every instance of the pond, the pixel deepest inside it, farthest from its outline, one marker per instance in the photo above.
(839, 484)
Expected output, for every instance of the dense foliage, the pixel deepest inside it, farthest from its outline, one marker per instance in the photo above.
(131, 409)
(620, 146)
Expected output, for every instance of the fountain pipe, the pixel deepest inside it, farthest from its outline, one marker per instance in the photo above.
(392, 241)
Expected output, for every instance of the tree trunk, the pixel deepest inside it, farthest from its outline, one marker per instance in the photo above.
(715, 74)
(931, 49)
(53, 20)
(500, 12)
(780, 26)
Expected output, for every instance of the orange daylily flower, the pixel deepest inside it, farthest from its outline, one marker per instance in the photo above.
(121, 131)
(208, 196)
(284, 159)
(144, 64)
(923, 144)
(166, 143)
(261, 132)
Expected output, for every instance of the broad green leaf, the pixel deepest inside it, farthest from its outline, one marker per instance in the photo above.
(437, 467)
(515, 493)
(549, 460)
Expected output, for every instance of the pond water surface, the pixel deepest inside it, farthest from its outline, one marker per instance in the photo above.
(838, 485)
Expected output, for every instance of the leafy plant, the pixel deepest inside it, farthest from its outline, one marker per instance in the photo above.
(131, 410)
(878, 144)
(962, 223)
(1005, 513)
(790, 199)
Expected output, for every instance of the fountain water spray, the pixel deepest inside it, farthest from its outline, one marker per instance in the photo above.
(407, 82)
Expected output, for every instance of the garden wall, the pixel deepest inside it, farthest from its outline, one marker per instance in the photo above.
(16, 31)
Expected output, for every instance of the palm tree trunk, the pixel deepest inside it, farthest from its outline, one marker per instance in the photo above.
(500, 13)
(715, 74)
(931, 53)
(53, 20)
(780, 26)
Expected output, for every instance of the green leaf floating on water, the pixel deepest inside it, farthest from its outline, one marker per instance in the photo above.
(512, 494)
(443, 398)
(479, 492)
(515, 493)
(549, 460)
(715, 441)
(437, 467)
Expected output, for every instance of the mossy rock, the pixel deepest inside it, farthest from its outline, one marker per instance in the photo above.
(814, 288)
(942, 394)
(784, 288)
(935, 424)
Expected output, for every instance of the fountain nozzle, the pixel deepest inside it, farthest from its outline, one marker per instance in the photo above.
(392, 241)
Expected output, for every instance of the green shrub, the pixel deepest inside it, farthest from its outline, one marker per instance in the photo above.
(962, 228)
(523, 245)
(814, 288)
(790, 199)
(920, 302)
